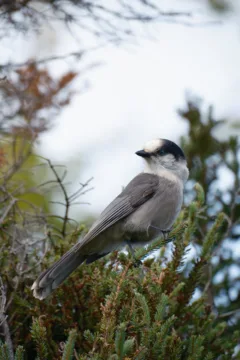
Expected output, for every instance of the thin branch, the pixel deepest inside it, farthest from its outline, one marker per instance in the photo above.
(229, 313)
(74, 54)
(3, 321)
(67, 201)
(77, 54)
(80, 191)
(8, 208)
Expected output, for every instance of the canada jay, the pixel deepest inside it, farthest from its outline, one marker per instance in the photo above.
(145, 209)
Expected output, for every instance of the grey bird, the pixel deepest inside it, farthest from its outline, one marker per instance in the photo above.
(145, 209)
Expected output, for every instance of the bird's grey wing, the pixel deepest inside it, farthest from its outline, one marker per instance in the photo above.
(137, 192)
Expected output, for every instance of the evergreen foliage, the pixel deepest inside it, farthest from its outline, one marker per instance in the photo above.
(116, 308)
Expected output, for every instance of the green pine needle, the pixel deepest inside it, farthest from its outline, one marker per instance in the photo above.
(69, 346)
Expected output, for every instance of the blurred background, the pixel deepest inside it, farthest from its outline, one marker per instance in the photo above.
(133, 68)
(83, 85)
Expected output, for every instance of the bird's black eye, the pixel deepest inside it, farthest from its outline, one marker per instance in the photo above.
(162, 152)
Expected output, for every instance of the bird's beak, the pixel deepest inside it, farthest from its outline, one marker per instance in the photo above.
(143, 153)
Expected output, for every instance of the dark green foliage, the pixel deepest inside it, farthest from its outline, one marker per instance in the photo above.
(118, 314)
(4, 352)
(19, 355)
(69, 347)
(39, 336)
(207, 156)
(113, 309)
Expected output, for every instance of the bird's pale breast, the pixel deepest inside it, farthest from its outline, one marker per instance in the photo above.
(158, 213)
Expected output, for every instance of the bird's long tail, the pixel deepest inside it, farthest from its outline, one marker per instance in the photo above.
(51, 278)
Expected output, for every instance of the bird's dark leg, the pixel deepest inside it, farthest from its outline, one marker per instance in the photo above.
(137, 262)
(166, 235)
(164, 232)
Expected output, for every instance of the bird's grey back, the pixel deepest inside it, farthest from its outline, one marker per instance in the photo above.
(148, 204)
(137, 192)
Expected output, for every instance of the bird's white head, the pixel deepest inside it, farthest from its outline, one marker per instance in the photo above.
(163, 155)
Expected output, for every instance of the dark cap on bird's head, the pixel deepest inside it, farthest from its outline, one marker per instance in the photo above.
(161, 147)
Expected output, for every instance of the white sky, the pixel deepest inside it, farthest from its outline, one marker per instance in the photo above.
(134, 96)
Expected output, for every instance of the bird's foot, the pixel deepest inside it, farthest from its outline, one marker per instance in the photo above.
(165, 233)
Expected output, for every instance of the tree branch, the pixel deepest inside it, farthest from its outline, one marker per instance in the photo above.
(3, 320)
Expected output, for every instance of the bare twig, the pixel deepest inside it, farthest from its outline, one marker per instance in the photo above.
(3, 320)
(23, 156)
(229, 313)
(7, 209)
(69, 200)
(77, 54)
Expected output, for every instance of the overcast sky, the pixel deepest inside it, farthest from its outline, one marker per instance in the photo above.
(134, 96)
